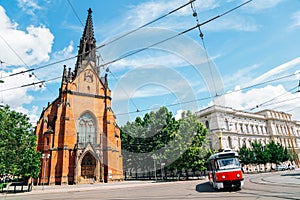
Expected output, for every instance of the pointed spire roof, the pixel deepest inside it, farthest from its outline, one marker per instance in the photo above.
(89, 30)
(87, 47)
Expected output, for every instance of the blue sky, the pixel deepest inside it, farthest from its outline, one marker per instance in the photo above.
(245, 50)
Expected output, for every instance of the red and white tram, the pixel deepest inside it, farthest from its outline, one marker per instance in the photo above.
(224, 170)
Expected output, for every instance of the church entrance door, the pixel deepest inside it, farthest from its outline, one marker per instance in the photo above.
(88, 166)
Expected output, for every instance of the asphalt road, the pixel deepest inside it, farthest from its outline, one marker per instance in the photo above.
(278, 185)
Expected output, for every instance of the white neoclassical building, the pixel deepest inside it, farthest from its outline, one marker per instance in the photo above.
(230, 128)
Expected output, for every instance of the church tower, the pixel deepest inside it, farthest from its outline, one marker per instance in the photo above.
(77, 133)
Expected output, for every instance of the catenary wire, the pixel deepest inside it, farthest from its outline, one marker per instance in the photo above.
(270, 100)
(176, 35)
(20, 58)
(74, 11)
(142, 49)
(105, 44)
(186, 102)
(210, 97)
(31, 84)
(195, 14)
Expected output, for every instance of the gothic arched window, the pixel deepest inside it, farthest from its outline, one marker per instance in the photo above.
(86, 129)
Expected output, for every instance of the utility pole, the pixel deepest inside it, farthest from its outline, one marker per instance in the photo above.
(292, 143)
(1, 81)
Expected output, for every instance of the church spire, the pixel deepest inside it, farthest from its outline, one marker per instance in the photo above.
(87, 48)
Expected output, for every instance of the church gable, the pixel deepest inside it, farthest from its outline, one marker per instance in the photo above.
(88, 82)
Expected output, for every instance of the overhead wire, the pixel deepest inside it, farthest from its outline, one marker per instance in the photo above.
(105, 44)
(195, 14)
(220, 95)
(74, 11)
(197, 26)
(147, 24)
(20, 58)
(176, 35)
(270, 100)
(130, 99)
(185, 102)
(107, 70)
(145, 48)
(31, 84)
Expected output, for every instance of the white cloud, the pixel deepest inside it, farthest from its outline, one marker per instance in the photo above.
(145, 12)
(13, 94)
(32, 113)
(11, 91)
(268, 97)
(279, 70)
(178, 114)
(31, 46)
(28, 6)
(296, 20)
(261, 5)
(244, 75)
(233, 22)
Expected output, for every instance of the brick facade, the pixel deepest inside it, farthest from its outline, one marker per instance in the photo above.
(77, 133)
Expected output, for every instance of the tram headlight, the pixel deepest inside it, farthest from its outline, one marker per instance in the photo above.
(238, 175)
(223, 177)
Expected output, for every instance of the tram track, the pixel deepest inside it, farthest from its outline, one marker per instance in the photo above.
(276, 185)
(266, 179)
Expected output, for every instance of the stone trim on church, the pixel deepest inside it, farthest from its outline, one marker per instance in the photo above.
(77, 133)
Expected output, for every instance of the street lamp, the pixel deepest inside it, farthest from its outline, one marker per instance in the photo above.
(154, 158)
(44, 157)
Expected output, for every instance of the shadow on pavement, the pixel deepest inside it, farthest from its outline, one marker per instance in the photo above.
(204, 187)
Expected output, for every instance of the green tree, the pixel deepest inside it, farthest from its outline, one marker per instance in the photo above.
(18, 155)
(193, 152)
(144, 136)
(246, 155)
(261, 155)
(158, 138)
(277, 152)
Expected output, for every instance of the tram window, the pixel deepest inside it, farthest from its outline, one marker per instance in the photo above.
(228, 163)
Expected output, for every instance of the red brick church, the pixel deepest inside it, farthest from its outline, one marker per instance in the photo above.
(77, 133)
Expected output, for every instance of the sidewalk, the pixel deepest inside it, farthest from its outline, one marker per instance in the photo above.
(96, 186)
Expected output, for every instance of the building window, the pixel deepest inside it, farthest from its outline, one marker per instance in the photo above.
(241, 126)
(227, 124)
(86, 130)
(252, 129)
(230, 142)
(262, 130)
(257, 130)
(247, 128)
(207, 124)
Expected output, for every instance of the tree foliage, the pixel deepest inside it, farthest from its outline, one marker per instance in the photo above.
(246, 155)
(159, 141)
(18, 155)
(259, 154)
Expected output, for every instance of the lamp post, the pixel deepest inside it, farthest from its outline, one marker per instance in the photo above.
(154, 158)
(45, 157)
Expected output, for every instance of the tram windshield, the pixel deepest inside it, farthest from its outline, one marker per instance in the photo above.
(226, 163)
